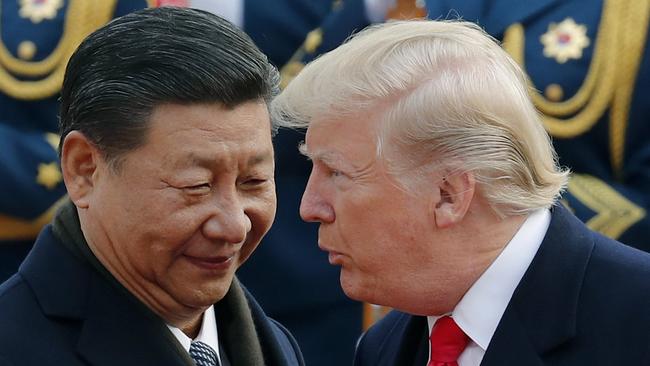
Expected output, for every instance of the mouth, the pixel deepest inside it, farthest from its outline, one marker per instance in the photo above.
(335, 258)
(215, 264)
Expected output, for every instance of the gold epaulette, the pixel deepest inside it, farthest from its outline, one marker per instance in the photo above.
(46, 76)
(609, 82)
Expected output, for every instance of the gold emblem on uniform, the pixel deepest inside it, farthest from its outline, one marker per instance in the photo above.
(37, 10)
(49, 175)
(565, 40)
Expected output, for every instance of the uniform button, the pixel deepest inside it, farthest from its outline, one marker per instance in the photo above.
(554, 93)
(26, 50)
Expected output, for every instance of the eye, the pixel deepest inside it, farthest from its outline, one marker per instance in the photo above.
(198, 188)
(254, 182)
(327, 170)
(335, 172)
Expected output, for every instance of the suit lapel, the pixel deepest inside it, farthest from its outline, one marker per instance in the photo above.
(511, 344)
(405, 344)
(541, 315)
(413, 348)
(113, 329)
(59, 281)
(118, 332)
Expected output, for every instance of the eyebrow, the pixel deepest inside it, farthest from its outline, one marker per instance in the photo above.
(329, 158)
(260, 158)
(302, 148)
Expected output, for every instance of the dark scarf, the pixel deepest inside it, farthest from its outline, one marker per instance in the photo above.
(236, 327)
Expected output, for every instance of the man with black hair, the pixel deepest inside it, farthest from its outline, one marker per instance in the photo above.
(167, 157)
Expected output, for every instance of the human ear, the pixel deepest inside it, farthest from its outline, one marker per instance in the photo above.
(456, 194)
(79, 163)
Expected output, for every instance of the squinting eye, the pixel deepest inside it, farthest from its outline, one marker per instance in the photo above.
(336, 173)
(254, 182)
(199, 188)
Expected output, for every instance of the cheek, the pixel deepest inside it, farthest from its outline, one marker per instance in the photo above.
(379, 235)
(165, 231)
(261, 213)
(362, 221)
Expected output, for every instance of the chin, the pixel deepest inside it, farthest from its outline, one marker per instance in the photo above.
(354, 289)
(207, 294)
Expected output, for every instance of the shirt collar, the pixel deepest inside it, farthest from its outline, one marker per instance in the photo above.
(479, 311)
(208, 333)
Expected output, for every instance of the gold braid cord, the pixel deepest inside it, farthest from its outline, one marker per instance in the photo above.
(633, 41)
(609, 84)
(81, 18)
(582, 110)
(16, 229)
(615, 213)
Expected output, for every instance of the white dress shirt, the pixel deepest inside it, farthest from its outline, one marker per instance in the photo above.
(208, 333)
(478, 313)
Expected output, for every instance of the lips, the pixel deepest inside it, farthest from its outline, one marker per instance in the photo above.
(214, 263)
(335, 258)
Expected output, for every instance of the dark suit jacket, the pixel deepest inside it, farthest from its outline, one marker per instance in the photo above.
(12, 253)
(584, 300)
(58, 310)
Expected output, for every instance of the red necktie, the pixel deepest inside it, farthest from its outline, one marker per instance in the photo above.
(447, 342)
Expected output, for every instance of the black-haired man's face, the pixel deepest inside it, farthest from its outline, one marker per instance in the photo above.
(187, 208)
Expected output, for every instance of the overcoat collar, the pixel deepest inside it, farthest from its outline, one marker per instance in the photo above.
(115, 329)
(541, 315)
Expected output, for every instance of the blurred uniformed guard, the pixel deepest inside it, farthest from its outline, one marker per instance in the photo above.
(36, 39)
(288, 274)
(589, 65)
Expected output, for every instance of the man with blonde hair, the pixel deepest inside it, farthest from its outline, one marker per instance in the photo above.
(436, 189)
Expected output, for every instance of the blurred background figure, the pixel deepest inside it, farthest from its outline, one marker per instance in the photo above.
(36, 39)
(590, 74)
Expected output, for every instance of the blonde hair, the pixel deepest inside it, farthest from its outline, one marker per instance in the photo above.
(449, 96)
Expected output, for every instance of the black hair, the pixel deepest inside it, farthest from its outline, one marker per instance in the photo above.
(122, 71)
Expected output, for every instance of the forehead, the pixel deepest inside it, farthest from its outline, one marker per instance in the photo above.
(350, 136)
(209, 118)
(199, 131)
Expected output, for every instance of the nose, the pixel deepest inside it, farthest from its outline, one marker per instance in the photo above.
(228, 221)
(314, 207)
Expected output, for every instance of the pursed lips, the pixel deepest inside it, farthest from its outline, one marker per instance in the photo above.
(334, 257)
